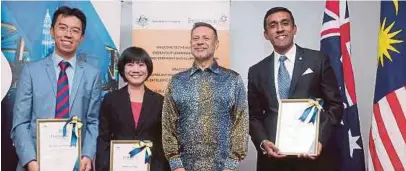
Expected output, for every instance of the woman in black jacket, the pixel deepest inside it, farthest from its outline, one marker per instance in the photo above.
(132, 112)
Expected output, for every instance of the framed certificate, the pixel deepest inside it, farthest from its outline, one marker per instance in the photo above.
(298, 126)
(130, 155)
(54, 150)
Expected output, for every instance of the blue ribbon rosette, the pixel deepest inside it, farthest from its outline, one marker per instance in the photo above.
(140, 147)
(76, 125)
(316, 105)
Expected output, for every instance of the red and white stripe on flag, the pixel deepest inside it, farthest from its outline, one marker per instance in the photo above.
(387, 140)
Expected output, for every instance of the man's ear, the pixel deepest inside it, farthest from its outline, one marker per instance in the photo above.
(51, 32)
(266, 36)
(81, 38)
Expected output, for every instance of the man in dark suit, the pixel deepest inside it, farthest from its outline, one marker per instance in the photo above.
(290, 72)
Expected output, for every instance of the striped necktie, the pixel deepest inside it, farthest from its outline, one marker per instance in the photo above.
(283, 79)
(62, 95)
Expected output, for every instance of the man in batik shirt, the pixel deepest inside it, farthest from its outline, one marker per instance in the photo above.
(205, 111)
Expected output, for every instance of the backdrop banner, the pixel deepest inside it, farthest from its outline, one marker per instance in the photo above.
(166, 37)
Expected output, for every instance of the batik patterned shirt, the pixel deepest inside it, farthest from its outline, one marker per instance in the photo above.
(205, 119)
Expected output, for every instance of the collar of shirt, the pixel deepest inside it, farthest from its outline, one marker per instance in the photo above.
(214, 67)
(56, 58)
(290, 54)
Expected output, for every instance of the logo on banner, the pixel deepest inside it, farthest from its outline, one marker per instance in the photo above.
(142, 20)
(223, 18)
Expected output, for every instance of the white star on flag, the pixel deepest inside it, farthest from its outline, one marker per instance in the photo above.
(353, 142)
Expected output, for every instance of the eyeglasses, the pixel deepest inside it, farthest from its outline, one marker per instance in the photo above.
(73, 31)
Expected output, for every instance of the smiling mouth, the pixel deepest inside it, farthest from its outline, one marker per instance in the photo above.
(135, 76)
(200, 49)
(282, 37)
(64, 42)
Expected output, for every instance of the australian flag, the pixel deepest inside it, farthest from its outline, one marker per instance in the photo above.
(335, 42)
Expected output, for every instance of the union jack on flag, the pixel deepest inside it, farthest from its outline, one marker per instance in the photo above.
(335, 43)
(387, 139)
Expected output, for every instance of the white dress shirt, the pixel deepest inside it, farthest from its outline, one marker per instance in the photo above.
(289, 64)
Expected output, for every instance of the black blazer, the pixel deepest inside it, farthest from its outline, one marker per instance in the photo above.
(117, 123)
(262, 97)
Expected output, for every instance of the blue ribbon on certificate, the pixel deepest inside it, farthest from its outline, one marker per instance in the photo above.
(315, 106)
(76, 125)
(141, 146)
(76, 167)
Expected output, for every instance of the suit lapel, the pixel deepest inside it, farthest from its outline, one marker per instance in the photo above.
(269, 78)
(145, 109)
(49, 65)
(297, 70)
(124, 108)
(77, 79)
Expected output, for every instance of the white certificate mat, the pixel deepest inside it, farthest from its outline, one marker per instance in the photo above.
(54, 152)
(296, 136)
(120, 159)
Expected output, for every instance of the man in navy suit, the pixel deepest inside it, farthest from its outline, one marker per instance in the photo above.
(58, 86)
(290, 72)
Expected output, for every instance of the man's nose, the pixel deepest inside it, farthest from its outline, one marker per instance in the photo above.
(68, 33)
(279, 28)
(199, 41)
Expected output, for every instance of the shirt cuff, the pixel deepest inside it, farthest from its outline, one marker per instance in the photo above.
(261, 146)
(86, 156)
(231, 164)
(26, 164)
(175, 163)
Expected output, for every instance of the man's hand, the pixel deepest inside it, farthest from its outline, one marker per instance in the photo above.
(313, 157)
(33, 166)
(180, 169)
(85, 164)
(227, 170)
(271, 149)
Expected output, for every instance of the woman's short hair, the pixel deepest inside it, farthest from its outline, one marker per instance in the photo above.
(131, 55)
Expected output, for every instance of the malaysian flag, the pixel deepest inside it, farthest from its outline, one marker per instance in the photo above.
(387, 139)
(335, 42)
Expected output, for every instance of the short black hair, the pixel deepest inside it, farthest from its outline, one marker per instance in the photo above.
(203, 24)
(67, 11)
(131, 55)
(275, 10)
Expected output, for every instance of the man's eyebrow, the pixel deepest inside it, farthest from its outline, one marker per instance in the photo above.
(67, 25)
(62, 24)
(283, 20)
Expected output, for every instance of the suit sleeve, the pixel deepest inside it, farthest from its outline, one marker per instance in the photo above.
(92, 120)
(256, 113)
(105, 131)
(22, 115)
(170, 121)
(239, 129)
(332, 98)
